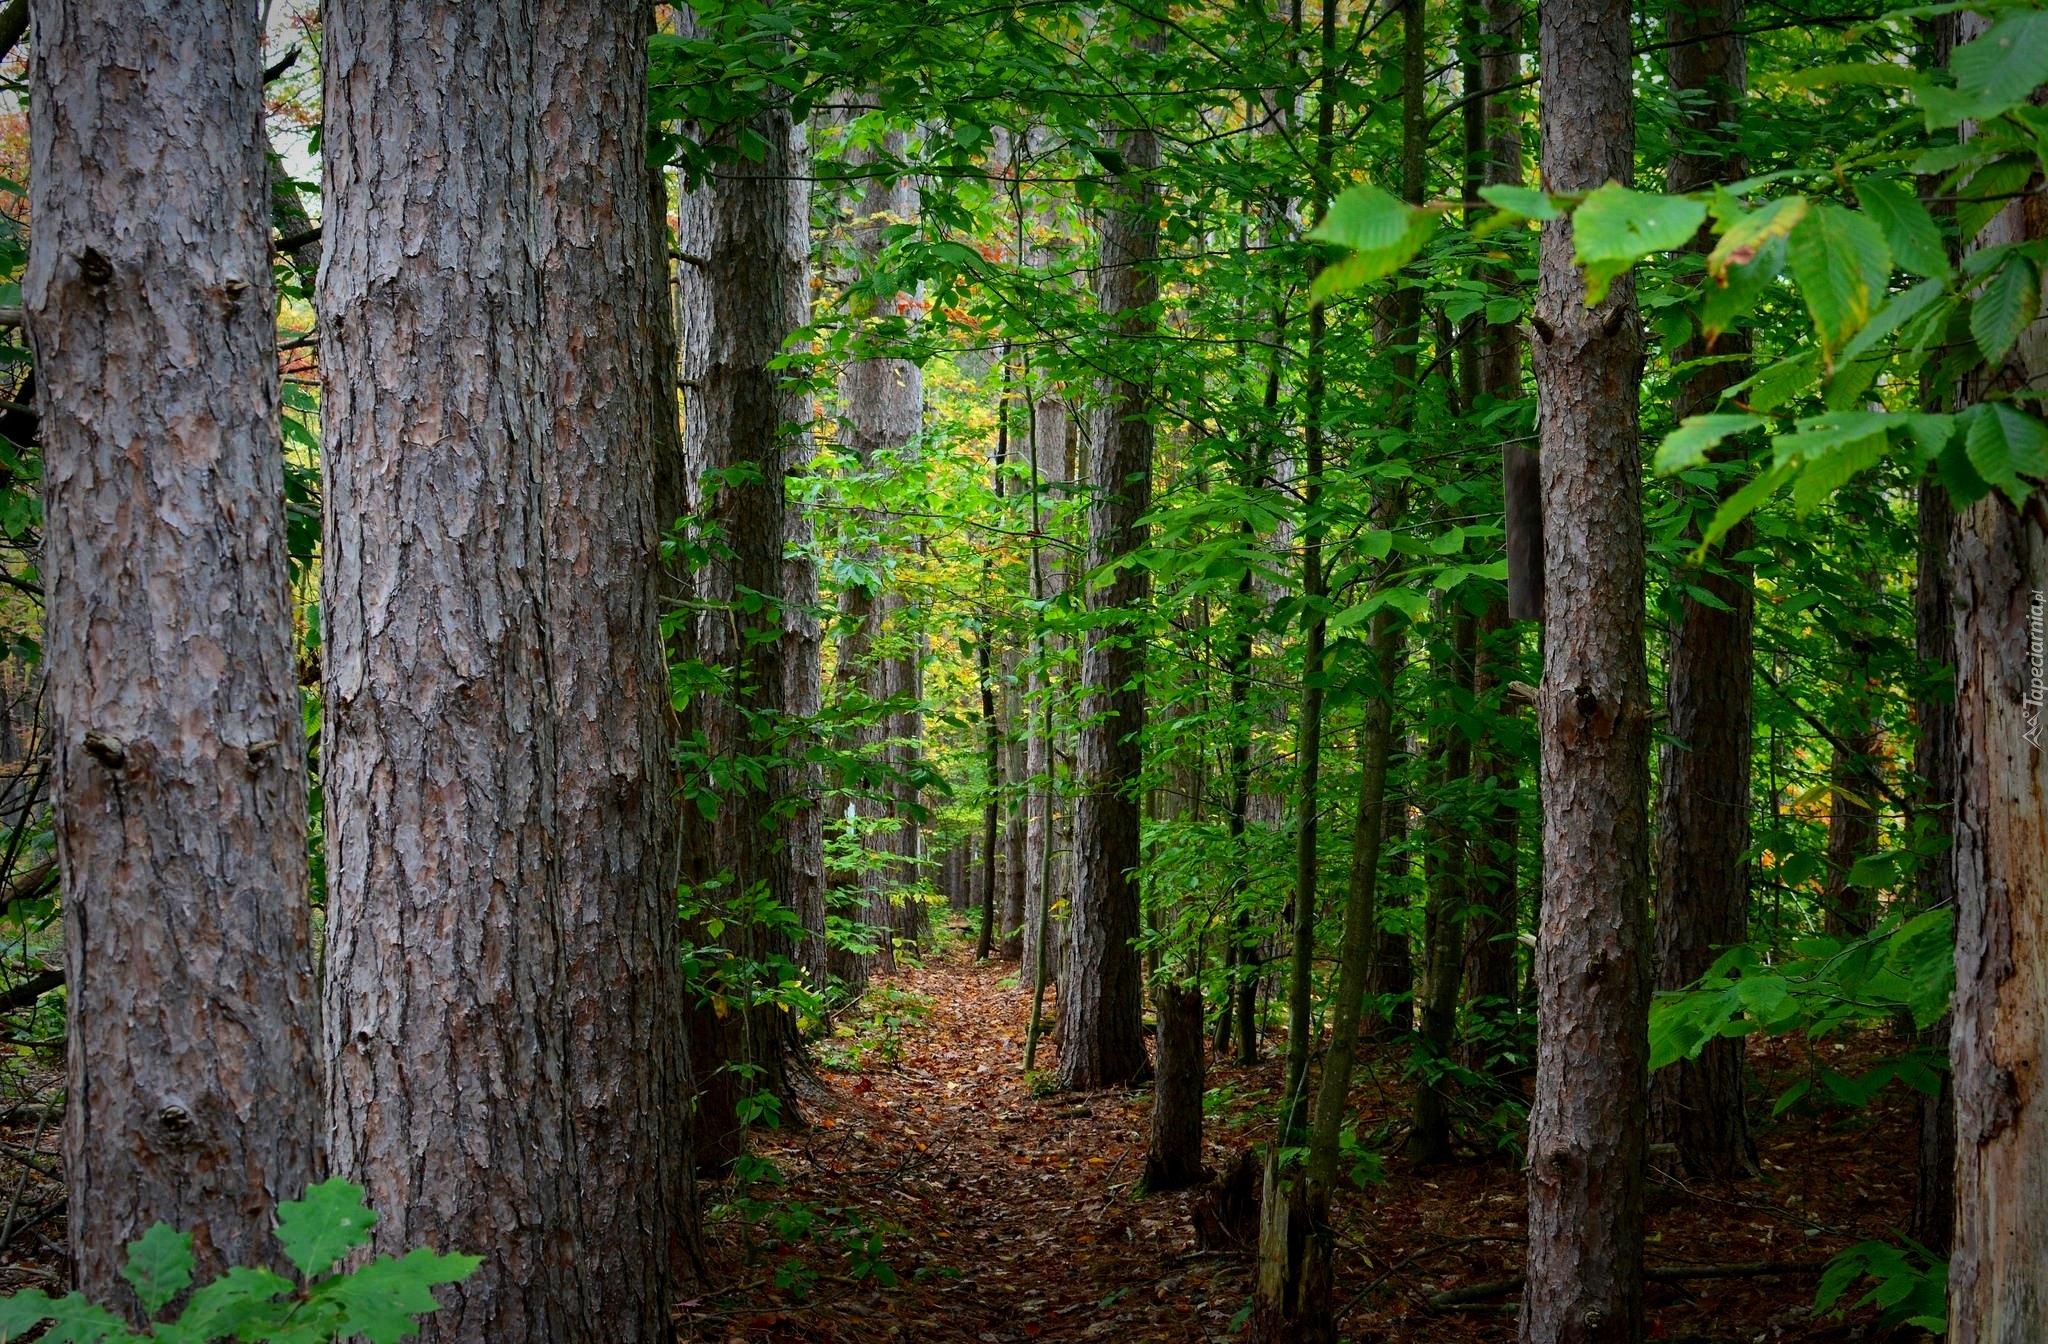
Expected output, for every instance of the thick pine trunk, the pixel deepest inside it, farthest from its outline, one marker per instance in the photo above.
(1703, 799)
(1586, 1127)
(748, 292)
(1173, 1158)
(180, 780)
(612, 443)
(1998, 1041)
(883, 407)
(1101, 1042)
(442, 748)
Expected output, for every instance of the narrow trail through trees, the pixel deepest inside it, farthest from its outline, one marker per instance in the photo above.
(934, 1197)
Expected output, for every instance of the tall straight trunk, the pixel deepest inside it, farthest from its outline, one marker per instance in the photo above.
(612, 447)
(1392, 974)
(1932, 1222)
(1173, 1155)
(1850, 911)
(1429, 1131)
(180, 785)
(1934, 762)
(882, 401)
(1490, 936)
(1586, 1127)
(751, 292)
(442, 754)
(1490, 942)
(1297, 1238)
(1998, 1044)
(1101, 1038)
(1241, 1007)
(1048, 450)
(1703, 780)
(1015, 803)
(992, 769)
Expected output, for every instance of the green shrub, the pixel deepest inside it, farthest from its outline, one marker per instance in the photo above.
(380, 1301)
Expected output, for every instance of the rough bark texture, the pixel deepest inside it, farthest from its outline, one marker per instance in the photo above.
(1703, 780)
(612, 433)
(445, 965)
(1015, 802)
(1934, 761)
(1587, 1123)
(1998, 1046)
(1100, 1038)
(883, 408)
(1050, 425)
(751, 293)
(180, 788)
(1173, 1158)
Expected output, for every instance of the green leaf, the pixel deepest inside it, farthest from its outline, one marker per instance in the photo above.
(328, 1223)
(1752, 231)
(2005, 445)
(1737, 291)
(234, 1305)
(1914, 237)
(1527, 202)
(381, 1300)
(1383, 234)
(1898, 310)
(1615, 228)
(1689, 444)
(1965, 487)
(159, 1266)
(1842, 264)
(2009, 301)
(1746, 501)
(73, 1320)
(1999, 70)
(1831, 471)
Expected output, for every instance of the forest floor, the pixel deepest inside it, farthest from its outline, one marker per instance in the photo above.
(934, 1196)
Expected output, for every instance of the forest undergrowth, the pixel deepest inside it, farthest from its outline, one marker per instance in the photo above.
(937, 1195)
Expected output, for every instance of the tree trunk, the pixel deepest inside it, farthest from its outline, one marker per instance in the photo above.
(883, 407)
(1048, 449)
(1703, 798)
(1998, 569)
(612, 444)
(1490, 937)
(1173, 1161)
(1392, 975)
(992, 769)
(751, 291)
(441, 743)
(1429, 1131)
(1587, 1123)
(1101, 1040)
(1016, 802)
(1933, 1219)
(1297, 1238)
(180, 784)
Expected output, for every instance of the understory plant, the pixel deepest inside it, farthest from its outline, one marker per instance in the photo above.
(380, 1301)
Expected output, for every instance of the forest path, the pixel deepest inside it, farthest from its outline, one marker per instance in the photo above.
(1005, 1216)
(933, 1197)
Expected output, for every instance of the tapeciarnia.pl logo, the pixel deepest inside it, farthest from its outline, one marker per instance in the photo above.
(2037, 666)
